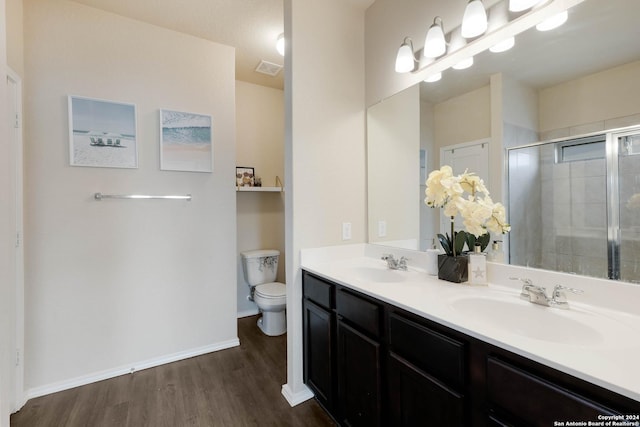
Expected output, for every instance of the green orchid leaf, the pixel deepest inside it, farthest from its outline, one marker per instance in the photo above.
(446, 243)
(471, 241)
(460, 240)
(484, 241)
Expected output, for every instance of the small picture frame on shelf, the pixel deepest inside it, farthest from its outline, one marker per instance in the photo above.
(245, 176)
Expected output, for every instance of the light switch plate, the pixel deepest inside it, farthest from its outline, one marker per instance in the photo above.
(346, 231)
(382, 228)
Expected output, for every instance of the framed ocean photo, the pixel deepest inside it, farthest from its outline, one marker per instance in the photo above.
(185, 141)
(102, 133)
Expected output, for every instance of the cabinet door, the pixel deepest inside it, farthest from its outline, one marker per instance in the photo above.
(543, 403)
(416, 399)
(358, 378)
(318, 352)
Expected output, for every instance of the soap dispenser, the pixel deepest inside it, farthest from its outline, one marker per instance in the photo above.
(477, 267)
(495, 254)
(432, 259)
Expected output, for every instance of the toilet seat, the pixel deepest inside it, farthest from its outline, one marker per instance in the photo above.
(272, 290)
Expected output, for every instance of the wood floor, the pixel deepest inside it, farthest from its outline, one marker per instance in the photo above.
(235, 387)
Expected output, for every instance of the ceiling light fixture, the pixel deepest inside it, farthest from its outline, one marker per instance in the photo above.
(504, 45)
(433, 78)
(520, 5)
(553, 22)
(405, 59)
(474, 21)
(280, 44)
(435, 44)
(464, 64)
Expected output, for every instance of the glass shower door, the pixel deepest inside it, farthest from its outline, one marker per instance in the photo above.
(625, 253)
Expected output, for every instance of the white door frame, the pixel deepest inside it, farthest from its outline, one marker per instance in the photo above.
(14, 89)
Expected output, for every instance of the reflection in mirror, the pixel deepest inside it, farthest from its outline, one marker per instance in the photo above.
(578, 79)
(575, 205)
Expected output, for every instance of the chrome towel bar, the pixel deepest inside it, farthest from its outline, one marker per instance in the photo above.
(100, 196)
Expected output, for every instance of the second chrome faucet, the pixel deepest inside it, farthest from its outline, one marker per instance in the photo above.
(538, 294)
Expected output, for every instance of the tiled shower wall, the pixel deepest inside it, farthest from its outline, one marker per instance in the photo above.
(629, 183)
(574, 220)
(558, 213)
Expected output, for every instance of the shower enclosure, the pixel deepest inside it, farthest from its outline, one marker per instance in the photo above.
(574, 205)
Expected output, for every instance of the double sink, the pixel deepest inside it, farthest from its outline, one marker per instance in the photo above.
(493, 309)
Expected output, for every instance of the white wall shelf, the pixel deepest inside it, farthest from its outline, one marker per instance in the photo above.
(260, 189)
(279, 188)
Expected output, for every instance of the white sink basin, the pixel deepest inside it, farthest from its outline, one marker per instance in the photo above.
(530, 320)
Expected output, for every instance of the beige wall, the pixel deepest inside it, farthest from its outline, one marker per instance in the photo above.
(596, 102)
(15, 37)
(462, 119)
(7, 276)
(259, 144)
(325, 149)
(121, 284)
(393, 156)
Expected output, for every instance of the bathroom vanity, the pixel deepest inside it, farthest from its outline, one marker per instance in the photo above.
(373, 359)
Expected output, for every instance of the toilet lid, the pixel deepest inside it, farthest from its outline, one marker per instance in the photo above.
(271, 290)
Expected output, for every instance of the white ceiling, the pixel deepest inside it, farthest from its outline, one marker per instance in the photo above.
(251, 26)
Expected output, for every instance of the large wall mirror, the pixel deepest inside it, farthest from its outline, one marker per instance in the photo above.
(581, 79)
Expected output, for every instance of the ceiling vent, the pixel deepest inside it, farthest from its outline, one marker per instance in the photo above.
(268, 68)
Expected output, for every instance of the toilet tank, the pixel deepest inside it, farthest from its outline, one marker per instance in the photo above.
(260, 266)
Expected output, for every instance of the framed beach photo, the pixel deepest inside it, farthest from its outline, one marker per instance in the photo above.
(185, 141)
(102, 133)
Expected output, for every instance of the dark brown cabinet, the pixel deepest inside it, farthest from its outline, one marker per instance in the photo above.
(319, 335)
(319, 368)
(370, 363)
(359, 359)
(426, 375)
(358, 377)
(416, 399)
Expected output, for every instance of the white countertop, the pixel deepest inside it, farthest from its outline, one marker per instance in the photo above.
(596, 340)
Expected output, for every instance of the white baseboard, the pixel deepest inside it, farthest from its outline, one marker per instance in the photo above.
(138, 366)
(247, 313)
(296, 398)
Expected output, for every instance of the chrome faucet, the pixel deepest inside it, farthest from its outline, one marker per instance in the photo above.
(538, 294)
(395, 264)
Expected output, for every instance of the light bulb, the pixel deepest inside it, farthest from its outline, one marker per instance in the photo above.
(465, 63)
(435, 44)
(474, 21)
(433, 78)
(553, 22)
(520, 5)
(504, 45)
(405, 60)
(280, 44)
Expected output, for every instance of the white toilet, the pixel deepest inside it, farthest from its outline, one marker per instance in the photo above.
(260, 268)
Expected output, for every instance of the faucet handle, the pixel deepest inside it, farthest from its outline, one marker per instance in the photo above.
(524, 281)
(559, 299)
(557, 291)
(526, 284)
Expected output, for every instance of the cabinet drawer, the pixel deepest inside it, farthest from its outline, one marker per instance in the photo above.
(360, 312)
(535, 399)
(434, 353)
(317, 290)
